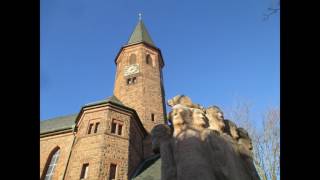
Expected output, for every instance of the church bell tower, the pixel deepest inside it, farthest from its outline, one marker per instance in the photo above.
(138, 80)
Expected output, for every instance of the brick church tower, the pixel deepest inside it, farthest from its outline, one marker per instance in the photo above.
(138, 81)
(110, 139)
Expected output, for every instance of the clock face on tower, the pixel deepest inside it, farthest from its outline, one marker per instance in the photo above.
(131, 69)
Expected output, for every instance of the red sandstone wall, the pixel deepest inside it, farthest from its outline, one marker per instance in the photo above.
(146, 95)
(47, 144)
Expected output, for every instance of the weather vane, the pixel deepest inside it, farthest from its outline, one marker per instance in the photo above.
(140, 16)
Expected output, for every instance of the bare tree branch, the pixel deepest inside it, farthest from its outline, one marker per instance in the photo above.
(274, 9)
(266, 142)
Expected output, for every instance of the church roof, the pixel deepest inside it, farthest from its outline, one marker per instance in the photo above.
(68, 121)
(140, 34)
(58, 123)
(111, 99)
(150, 169)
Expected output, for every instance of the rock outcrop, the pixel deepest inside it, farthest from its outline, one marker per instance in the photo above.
(201, 145)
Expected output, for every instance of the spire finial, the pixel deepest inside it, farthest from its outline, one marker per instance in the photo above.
(140, 16)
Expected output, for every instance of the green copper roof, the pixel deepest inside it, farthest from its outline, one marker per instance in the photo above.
(140, 34)
(67, 122)
(150, 169)
(58, 123)
(112, 99)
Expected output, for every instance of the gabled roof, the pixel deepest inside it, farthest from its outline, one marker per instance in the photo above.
(57, 124)
(140, 34)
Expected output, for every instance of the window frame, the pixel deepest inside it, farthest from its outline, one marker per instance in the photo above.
(148, 59)
(152, 117)
(91, 124)
(84, 171)
(134, 80)
(132, 59)
(131, 80)
(113, 127)
(96, 127)
(120, 130)
(117, 124)
(115, 171)
(51, 161)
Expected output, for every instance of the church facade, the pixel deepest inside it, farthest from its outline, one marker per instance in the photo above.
(110, 139)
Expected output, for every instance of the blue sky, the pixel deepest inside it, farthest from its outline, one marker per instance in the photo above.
(217, 52)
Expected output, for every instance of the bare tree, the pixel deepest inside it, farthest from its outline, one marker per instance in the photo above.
(265, 140)
(273, 9)
(240, 113)
(267, 145)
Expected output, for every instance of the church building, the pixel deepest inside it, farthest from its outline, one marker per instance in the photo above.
(110, 139)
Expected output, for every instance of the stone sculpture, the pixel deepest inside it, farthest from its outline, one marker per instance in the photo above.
(162, 142)
(201, 145)
(215, 116)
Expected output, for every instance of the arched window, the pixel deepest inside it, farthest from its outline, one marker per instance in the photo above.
(51, 164)
(132, 59)
(148, 59)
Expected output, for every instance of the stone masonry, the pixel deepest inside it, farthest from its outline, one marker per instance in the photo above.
(50, 143)
(146, 96)
(103, 148)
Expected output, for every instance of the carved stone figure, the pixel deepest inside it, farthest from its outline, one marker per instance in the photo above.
(189, 150)
(202, 145)
(215, 117)
(245, 150)
(231, 129)
(180, 117)
(244, 140)
(184, 101)
(180, 99)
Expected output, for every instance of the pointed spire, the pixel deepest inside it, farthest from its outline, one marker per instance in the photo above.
(140, 34)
